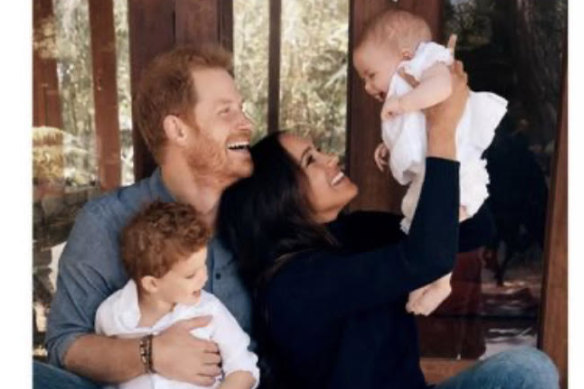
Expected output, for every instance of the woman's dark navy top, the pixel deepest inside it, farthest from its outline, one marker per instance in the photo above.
(337, 318)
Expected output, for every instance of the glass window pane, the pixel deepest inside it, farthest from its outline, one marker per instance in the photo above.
(513, 49)
(313, 74)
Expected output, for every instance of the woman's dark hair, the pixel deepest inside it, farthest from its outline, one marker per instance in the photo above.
(266, 218)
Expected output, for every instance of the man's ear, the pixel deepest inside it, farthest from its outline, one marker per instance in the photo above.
(175, 129)
(149, 284)
(407, 54)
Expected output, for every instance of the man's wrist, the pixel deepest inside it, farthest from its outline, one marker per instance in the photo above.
(146, 351)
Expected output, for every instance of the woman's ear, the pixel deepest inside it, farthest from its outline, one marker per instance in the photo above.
(175, 129)
(149, 284)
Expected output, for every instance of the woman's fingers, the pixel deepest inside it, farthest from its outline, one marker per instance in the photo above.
(451, 45)
(408, 78)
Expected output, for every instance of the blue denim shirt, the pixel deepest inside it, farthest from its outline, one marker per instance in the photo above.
(90, 268)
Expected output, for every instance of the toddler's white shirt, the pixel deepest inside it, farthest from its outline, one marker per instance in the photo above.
(405, 136)
(119, 316)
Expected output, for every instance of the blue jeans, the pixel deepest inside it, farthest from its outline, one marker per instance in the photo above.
(519, 368)
(47, 376)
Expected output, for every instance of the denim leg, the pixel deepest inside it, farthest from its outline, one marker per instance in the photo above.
(519, 368)
(47, 376)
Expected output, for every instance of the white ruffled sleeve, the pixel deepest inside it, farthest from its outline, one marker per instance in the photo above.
(426, 55)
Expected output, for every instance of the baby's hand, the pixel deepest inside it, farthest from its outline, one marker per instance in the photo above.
(391, 108)
(380, 156)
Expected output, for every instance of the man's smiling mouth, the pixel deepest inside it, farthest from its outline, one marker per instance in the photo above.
(238, 146)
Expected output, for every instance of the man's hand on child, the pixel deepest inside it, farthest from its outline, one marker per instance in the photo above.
(391, 108)
(380, 156)
(178, 355)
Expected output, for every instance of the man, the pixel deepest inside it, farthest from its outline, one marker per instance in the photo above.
(190, 115)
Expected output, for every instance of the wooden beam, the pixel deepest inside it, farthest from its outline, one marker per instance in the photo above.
(189, 25)
(46, 100)
(216, 28)
(151, 32)
(107, 128)
(553, 338)
(274, 66)
(226, 24)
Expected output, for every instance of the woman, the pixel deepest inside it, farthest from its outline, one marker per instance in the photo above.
(331, 291)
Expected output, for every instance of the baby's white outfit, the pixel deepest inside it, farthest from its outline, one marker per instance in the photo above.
(119, 316)
(405, 136)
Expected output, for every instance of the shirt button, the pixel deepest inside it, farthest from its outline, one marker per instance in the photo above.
(218, 276)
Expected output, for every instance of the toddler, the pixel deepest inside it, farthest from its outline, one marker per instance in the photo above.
(164, 253)
(397, 42)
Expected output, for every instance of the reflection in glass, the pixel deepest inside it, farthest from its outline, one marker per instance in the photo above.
(512, 48)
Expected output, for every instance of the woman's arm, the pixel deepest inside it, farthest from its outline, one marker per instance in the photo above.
(334, 285)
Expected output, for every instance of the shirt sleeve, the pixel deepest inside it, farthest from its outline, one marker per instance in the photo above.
(86, 275)
(233, 343)
(339, 284)
(426, 56)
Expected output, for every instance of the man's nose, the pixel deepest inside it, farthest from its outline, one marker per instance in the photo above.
(244, 122)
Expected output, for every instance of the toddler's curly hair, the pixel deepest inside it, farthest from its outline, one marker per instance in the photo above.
(159, 236)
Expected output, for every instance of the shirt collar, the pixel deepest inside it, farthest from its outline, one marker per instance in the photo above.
(158, 188)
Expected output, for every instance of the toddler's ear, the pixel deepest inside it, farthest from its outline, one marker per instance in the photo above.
(149, 284)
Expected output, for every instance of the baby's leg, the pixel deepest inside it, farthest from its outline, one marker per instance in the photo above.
(430, 296)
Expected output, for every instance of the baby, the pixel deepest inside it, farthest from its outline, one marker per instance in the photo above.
(164, 253)
(397, 44)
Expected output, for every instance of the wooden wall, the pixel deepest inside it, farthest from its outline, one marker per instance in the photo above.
(553, 337)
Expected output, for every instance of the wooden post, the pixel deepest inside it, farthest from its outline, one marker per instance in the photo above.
(274, 66)
(151, 32)
(107, 128)
(553, 338)
(157, 26)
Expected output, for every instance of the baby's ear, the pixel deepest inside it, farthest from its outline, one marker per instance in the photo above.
(407, 54)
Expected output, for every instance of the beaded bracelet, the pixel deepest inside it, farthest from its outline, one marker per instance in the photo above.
(146, 353)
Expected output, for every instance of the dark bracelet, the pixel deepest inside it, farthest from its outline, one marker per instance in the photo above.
(146, 353)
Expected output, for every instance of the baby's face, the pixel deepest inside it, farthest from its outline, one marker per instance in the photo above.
(183, 282)
(375, 65)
